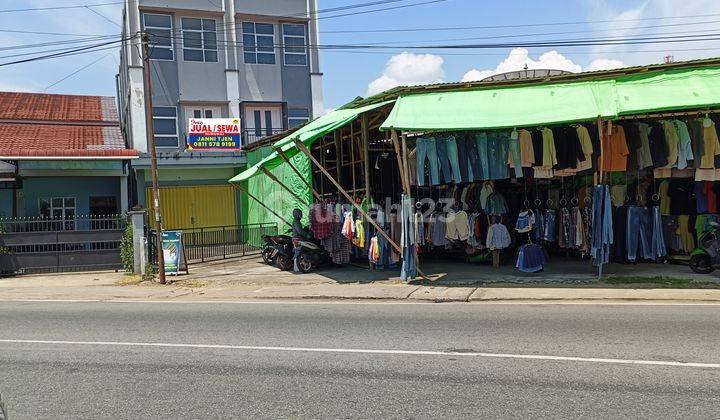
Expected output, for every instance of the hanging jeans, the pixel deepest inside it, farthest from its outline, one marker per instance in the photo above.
(463, 158)
(549, 232)
(408, 239)
(514, 147)
(658, 236)
(427, 149)
(452, 153)
(602, 224)
(473, 157)
(481, 140)
(638, 226)
(444, 159)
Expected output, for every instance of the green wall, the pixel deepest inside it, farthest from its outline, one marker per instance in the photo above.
(273, 195)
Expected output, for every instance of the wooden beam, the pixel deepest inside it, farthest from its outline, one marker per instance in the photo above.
(285, 187)
(380, 230)
(284, 157)
(401, 167)
(338, 154)
(365, 136)
(239, 187)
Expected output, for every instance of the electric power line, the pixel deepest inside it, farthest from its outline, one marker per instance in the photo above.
(75, 72)
(82, 50)
(80, 6)
(524, 25)
(103, 16)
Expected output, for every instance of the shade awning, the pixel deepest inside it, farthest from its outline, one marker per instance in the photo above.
(669, 90)
(557, 103)
(503, 107)
(307, 135)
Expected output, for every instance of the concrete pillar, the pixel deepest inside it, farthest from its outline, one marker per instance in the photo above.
(123, 194)
(140, 251)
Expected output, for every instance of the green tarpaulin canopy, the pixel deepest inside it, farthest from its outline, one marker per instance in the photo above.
(668, 90)
(502, 107)
(307, 134)
(518, 106)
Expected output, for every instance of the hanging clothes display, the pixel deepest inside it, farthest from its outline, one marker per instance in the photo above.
(602, 225)
(531, 258)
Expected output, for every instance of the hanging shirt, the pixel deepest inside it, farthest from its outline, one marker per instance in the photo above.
(644, 157)
(695, 128)
(658, 145)
(567, 147)
(664, 198)
(671, 138)
(359, 239)
(549, 153)
(496, 205)
(685, 152)
(527, 152)
(537, 142)
(615, 150)
(498, 237)
(587, 148)
(711, 146)
(485, 192)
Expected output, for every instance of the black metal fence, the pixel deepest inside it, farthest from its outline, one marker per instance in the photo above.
(216, 243)
(79, 243)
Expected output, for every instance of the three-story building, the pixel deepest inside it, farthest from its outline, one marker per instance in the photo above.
(242, 59)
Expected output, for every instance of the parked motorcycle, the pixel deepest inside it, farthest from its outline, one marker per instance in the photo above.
(274, 245)
(706, 257)
(310, 255)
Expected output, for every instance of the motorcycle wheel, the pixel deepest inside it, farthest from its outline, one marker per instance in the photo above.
(304, 263)
(284, 263)
(267, 255)
(701, 264)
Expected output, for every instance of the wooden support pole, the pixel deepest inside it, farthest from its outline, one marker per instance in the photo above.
(381, 231)
(284, 157)
(338, 155)
(365, 137)
(285, 187)
(239, 187)
(401, 167)
(352, 154)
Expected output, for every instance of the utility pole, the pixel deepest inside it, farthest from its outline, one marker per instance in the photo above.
(153, 157)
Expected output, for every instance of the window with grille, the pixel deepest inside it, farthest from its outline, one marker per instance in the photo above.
(160, 30)
(199, 40)
(258, 43)
(294, 48)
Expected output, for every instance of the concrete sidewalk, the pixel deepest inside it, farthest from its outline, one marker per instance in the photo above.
(107, 286)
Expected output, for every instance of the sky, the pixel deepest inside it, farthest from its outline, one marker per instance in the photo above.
(348, 74)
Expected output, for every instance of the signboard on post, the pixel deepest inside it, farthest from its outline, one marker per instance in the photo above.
(173, 251)
(213, 134)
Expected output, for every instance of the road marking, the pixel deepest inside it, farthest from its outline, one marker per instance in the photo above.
(364, 302)
(372, 351)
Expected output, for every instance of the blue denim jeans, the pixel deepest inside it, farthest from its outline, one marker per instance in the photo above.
(481, 140)
(549, 233)
(474, 170)
(426, 149)
(658, 237)
(514, 146)
(407, 241)
(638, 227)
(463, 158)
(452, 154)
(443, 159)
(497, 152)
(602, 236)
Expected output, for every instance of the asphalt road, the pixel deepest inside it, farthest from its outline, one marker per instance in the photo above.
(274, 360)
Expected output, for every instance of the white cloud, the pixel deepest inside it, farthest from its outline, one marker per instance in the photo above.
(653, 53)
(407, 69)
(519, 58)
(604, 64)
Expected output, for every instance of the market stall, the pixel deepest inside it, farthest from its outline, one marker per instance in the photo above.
(616, 166)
